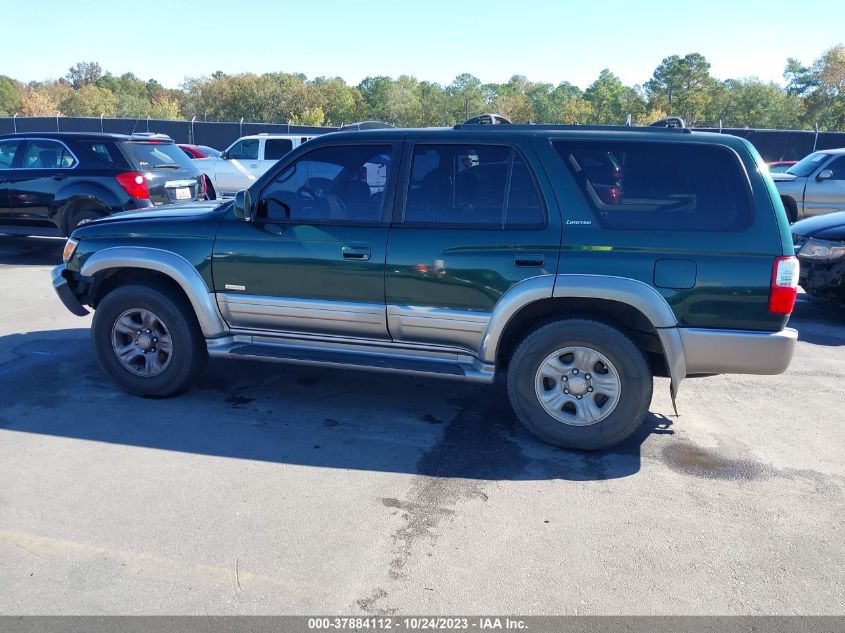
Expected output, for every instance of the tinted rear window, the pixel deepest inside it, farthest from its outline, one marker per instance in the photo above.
(104, 151)
(661, 186)
(275, 148)
(157, 155)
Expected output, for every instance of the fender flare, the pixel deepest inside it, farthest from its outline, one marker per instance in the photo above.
(168, 263)
(632, 292)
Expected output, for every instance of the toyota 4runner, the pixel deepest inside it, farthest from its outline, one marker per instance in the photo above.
(579, 262)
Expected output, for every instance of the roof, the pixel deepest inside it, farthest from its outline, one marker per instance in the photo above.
(92, 136)
(490, 133)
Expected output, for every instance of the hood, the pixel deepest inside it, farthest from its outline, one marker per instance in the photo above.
(181, 210)
(830, 226)
(782, 176)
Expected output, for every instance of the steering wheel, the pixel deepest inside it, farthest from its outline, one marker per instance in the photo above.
(306, 193)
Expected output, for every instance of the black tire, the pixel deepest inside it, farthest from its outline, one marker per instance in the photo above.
(187, 357)
(631, 368)
(791, 208)
(210, 193)
(80, 216)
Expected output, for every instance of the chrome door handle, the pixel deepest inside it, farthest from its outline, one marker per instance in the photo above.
(359, 253)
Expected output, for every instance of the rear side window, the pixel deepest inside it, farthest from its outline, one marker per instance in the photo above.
(275, 148)
(106, 152)
(486, 185)
(838, 168)
(158, 156)
(7, 153)
(661, 186)
(47, 155)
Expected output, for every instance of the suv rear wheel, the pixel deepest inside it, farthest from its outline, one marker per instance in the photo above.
(145, 342)
(578, 383)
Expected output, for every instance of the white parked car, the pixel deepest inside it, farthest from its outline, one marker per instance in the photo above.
(244, 161)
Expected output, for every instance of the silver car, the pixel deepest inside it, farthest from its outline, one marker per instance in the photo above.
(814, 185)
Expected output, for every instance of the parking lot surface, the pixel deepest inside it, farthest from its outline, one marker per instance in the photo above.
(275, 489)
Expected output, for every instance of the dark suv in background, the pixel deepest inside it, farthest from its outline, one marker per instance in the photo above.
(51, 183)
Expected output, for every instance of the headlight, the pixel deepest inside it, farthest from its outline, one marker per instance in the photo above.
(824, 250)
(70, 249)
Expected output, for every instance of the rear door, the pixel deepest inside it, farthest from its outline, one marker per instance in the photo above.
(470, 224)
(274, 149)
(826, 196)
(44, 165)
(8, 151)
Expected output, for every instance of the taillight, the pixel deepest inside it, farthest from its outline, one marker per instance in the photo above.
(784, 288)
(134, 184)
(203, 186)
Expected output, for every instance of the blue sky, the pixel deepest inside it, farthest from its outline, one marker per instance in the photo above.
(433, 40)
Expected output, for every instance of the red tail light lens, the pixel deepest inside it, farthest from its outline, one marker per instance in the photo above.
(134, 184)
(784, 288)
(203, 185)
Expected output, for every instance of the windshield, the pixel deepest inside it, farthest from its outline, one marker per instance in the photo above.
(808, 164)
(158, 155)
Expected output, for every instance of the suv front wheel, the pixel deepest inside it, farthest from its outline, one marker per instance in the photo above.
(578, 383)
(147, 340)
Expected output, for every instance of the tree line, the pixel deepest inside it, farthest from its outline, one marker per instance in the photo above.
(679, 86)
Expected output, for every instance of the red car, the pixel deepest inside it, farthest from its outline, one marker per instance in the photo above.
(779, 166)
(200, 151)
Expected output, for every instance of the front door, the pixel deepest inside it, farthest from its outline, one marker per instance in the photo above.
(826, 196)
(44, 164)
(238, 170)
(473, 224)
(313, 259)
(8, 150)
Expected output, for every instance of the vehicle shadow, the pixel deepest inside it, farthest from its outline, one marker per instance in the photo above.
(819, 322)
(32, 251)
(52, 385)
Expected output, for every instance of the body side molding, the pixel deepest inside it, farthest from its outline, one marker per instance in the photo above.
(168, 263)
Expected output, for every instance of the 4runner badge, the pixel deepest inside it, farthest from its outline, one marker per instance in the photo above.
(235, 287)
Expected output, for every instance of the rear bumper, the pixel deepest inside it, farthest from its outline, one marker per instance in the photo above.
(66, 295)
(737, 351)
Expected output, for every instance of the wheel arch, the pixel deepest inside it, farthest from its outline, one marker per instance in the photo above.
(116, 260)
(628, 303)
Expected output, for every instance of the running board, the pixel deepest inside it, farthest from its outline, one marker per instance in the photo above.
(400, 361)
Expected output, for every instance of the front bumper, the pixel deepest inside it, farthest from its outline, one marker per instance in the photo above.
(822, 278)
(737, 351)
(60, 285)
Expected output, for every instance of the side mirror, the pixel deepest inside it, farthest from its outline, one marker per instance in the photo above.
(243, 206)
(824, 174)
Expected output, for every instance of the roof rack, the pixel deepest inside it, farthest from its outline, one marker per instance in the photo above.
(669, 124)
(365, 125)
(592, 128)
(488, 119)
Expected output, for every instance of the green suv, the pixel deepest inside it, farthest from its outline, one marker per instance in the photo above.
(579, 262)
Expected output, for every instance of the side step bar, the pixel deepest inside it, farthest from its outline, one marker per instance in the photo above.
(382, 358)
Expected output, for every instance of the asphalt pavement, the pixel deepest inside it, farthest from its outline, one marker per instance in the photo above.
(270, 489)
